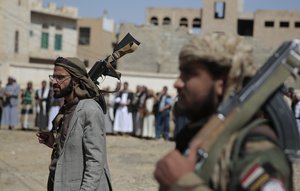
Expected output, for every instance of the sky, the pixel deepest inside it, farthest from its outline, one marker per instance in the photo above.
(133, 11)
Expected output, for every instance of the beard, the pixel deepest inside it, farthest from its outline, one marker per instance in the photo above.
(204, 109)
(63, 92)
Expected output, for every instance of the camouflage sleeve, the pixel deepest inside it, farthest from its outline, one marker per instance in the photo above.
(260, 165)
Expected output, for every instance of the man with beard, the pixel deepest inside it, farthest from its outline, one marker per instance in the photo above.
(211, 68)
(78, 139)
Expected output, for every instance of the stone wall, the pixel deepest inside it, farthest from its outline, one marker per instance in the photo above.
(158, 51)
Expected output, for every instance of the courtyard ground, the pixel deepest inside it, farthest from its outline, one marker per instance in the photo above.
(24, 162)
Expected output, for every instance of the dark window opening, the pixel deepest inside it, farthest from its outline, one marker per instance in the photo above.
(58, 27)
(16, 42)
(31, 33)
(220, 10)
(297, 24)
(245, 27)
(40, 61)
(183, 22)
(166, 21)
(269, 24)
(154, 21)
(284, 24)
(45, 26)
(196, 25)
(84, 35)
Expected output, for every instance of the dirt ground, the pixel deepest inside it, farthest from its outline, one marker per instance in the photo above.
(24, 162)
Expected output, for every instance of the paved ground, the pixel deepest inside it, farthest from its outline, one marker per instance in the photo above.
(24, 162)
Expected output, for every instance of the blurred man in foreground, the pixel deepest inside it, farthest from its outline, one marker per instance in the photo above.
(211, 67)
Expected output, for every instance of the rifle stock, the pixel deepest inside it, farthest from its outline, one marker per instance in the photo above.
(105, 67)
(236, 111)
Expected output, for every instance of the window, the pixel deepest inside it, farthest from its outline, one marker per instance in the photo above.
(196, 27)
(58, 42)
(31, 33)
(196, 23)
(219, 10)
(154, 21)
(45, 40)
(84, 35)
(284, 24)
(166, 21)
(297, 24)
(45, 26)
(269, 24)
(183, 22)
(16, 42)
(58, 27)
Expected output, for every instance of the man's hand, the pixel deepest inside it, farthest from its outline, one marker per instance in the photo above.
(173, 166)
(46, 138)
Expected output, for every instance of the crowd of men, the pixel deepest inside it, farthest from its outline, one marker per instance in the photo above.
(29, 108)
(142, 113)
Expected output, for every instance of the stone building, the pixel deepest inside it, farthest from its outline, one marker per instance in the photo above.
(268, 26)
(274, 27)
(189, 17)
(167, 29)
(96, 37)
(32, 37)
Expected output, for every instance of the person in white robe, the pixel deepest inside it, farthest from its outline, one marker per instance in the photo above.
(123, 122)
(149, 118)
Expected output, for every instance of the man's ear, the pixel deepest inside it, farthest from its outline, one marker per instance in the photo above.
(219, 87)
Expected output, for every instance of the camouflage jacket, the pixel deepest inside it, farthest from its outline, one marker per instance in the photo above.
(251, 160)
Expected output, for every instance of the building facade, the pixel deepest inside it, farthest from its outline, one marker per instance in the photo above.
(167, 29)
(32, 37)
(189, 18)
(271, 27)
(96, 38)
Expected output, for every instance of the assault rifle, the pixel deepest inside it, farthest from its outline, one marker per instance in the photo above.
(105, 67)
(263, 91)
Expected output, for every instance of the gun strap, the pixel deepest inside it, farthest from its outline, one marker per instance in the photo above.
(130, 47)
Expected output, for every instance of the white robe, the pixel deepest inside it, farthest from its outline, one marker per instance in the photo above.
(123, 118)
(44, 96)
(52, 114)
(149, 120)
